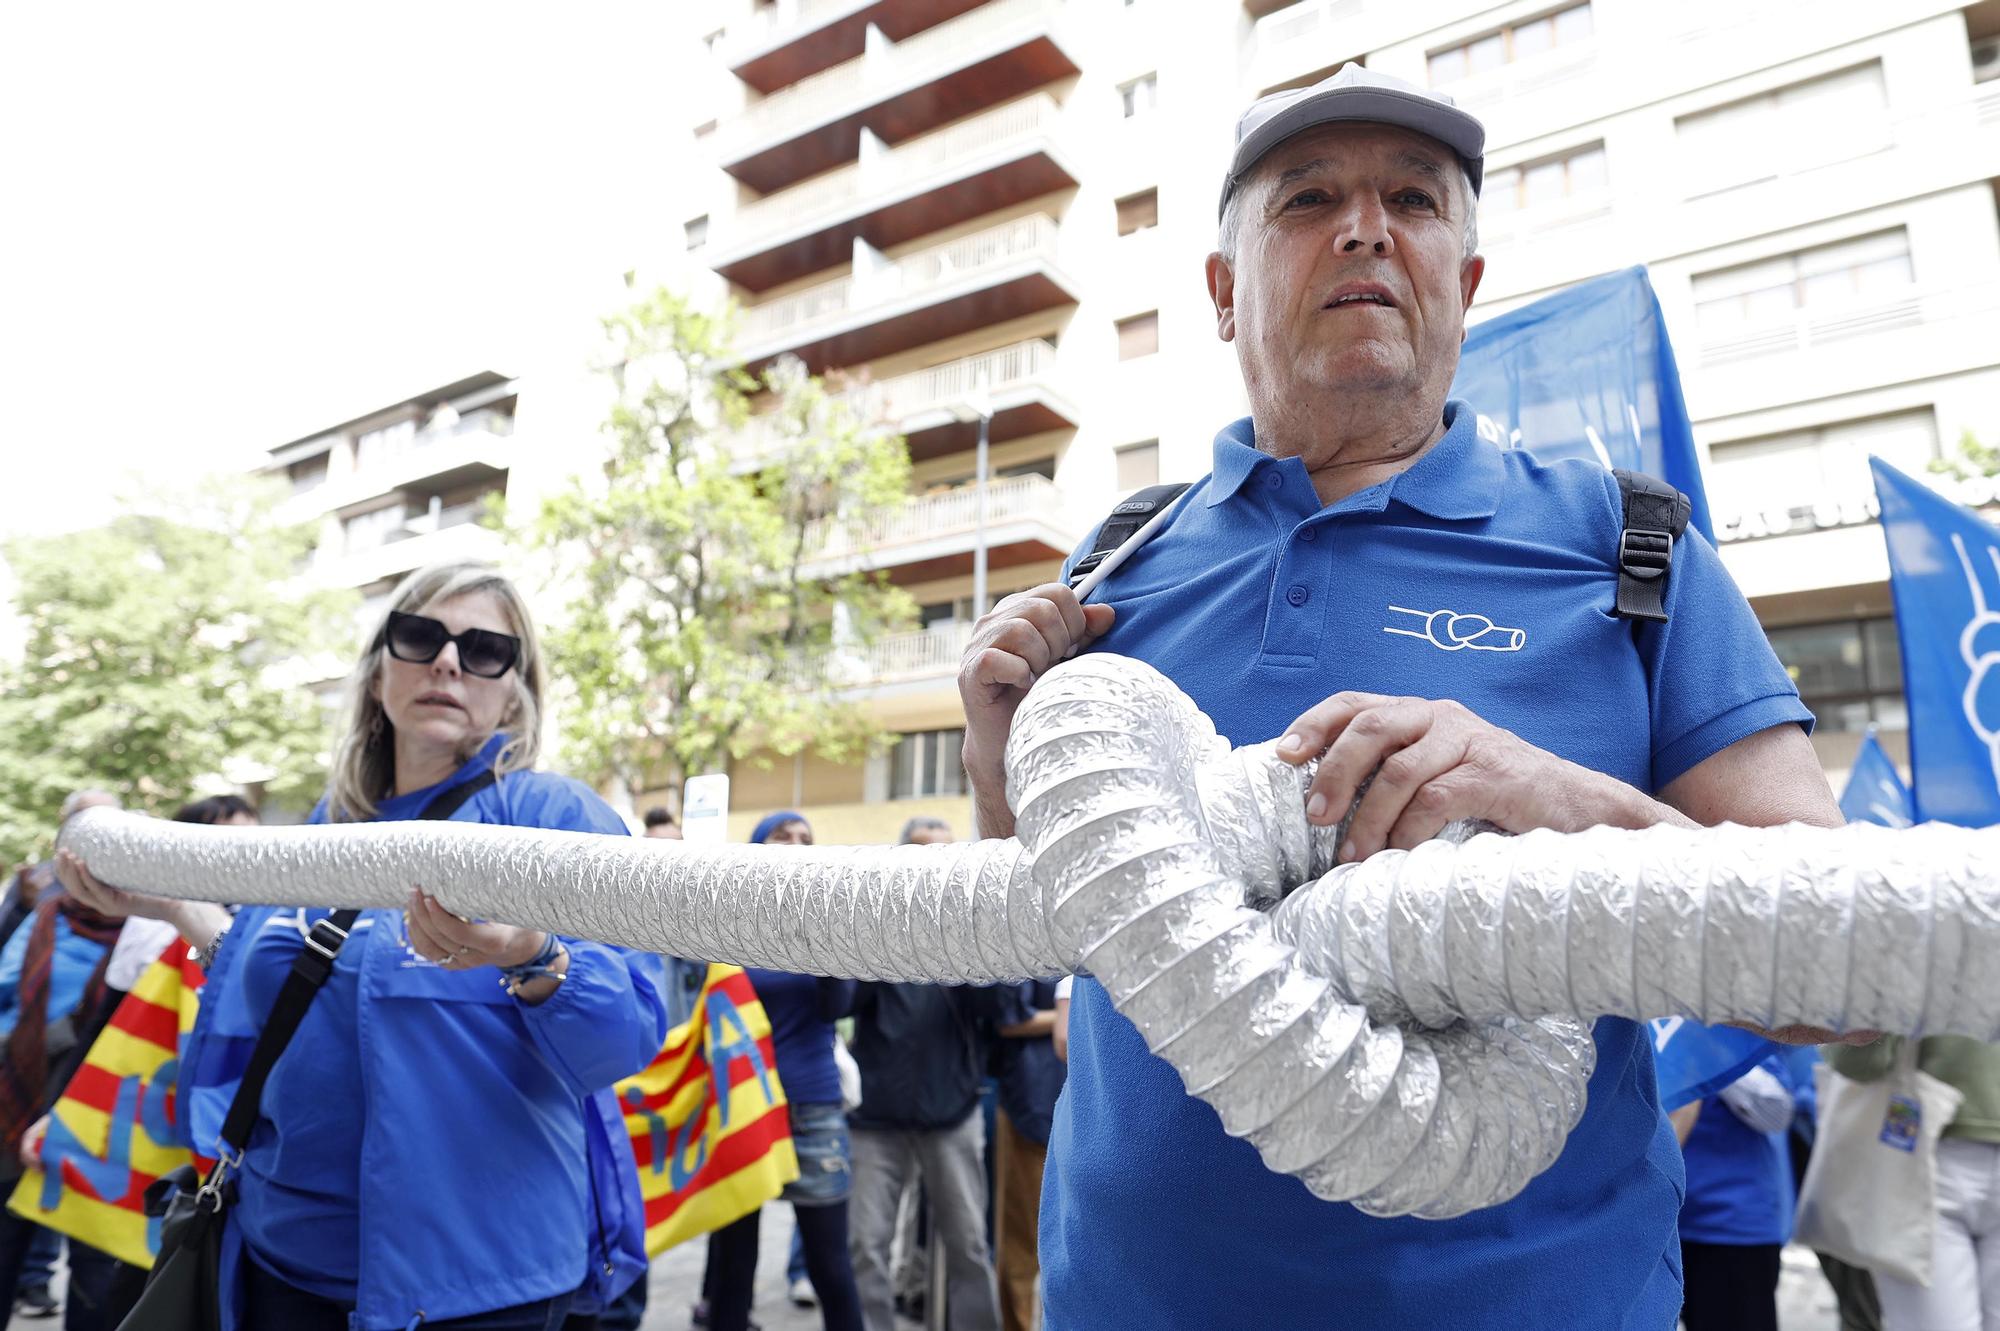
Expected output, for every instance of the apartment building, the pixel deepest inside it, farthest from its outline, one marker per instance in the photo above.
(999, 210)
(402, 486)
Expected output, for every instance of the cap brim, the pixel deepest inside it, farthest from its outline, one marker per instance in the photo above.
(1455, 129)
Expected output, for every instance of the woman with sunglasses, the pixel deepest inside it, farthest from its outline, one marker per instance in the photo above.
(439, 1145)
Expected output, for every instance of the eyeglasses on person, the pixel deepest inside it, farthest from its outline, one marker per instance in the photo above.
(419, 639)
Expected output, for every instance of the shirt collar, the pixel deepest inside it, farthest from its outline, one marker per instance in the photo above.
(1458, 479)
(412, 803)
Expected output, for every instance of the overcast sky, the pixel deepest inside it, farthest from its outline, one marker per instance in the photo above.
(229, 225)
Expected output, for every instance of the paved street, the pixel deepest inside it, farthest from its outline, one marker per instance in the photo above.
(1804, 1301)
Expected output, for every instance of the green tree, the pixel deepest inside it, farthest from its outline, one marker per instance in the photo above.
(170, 646)
(1971, 459)
(713, 593)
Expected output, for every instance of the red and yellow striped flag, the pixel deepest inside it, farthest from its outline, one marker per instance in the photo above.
(710, 1130)
(116, 1128)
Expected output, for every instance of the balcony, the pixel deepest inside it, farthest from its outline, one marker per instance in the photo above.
(929, 407)
(931, 536)
(787, 42)
(1823, 352)
(989, 55)
(478, 446)
(454, 534)
(928, 655)
(992, 161)
(1003, 272)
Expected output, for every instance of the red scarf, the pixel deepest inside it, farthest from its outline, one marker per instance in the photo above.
(24, 1071)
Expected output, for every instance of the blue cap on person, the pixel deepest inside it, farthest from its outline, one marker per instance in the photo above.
(1355, 93)
(771, 822)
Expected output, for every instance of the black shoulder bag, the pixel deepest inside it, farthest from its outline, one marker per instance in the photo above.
(184, 1292)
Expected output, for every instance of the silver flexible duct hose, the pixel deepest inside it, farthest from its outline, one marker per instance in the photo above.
(1151, 854)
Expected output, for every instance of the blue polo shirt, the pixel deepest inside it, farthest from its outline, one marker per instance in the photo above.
(1478, 575)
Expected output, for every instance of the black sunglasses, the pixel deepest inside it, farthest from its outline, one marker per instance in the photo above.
(419, 638)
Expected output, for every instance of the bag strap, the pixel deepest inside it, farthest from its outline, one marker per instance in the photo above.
(1655, 516)
(1130, 519)
(310, 970)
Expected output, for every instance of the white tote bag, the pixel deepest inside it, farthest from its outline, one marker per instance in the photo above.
(1871, 1190)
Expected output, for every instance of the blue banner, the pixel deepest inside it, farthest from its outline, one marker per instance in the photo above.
(1694, 1061)
(1944, 572)
(1587, 373)
(1875, 791)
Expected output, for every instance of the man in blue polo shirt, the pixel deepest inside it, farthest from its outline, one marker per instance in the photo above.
(1364, 574)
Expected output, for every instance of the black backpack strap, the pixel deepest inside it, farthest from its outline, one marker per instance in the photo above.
(309, 972)
(1655, 516)
(1124, 523)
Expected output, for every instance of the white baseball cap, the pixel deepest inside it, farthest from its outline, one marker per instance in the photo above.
(1355, 93)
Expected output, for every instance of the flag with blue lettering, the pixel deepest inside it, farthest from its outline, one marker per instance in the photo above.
(1944, 572)
(1587, 372)
(1693, 1061)
(1875, 791)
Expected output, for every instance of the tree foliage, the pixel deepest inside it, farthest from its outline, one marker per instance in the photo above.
(711, 604)
(1971, 459)
(163, 650)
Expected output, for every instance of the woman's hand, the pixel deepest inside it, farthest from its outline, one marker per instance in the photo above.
(198, 921)
(31, 1143)
(459, 944)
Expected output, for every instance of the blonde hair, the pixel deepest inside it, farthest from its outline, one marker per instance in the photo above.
(364, 762)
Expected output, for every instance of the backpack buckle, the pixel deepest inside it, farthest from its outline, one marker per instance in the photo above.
(325, 938)
(1645, 554)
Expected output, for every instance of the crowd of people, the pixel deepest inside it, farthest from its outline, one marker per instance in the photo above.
(441, 1147)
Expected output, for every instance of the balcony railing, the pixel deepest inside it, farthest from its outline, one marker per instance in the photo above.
(768, 27)
(952, 384)
(802, 205)
(930, 653)
(931, 517)
(792, 317)
(859, 81)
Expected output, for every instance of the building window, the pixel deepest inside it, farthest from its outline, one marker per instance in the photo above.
(372, 448)
(1578, 173)
(365, 531)
(1808, 479)
(1138, 465)
(308, 474)
(1828, 119)
(697, 231)
(1871, 267)
(1850, 673)
(1140, 96)
(1138, 212)
(1139, 335)
(927, 763)
(1516, 42)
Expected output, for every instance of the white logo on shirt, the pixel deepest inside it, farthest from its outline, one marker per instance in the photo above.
(1450, 631)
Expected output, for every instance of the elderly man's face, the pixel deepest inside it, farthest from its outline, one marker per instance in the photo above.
(1349, 273)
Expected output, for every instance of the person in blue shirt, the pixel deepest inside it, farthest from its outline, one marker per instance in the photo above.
(801, 1010)
(1737, 1215)
(439, 1144)
(1363, 574)
(1031, 1079)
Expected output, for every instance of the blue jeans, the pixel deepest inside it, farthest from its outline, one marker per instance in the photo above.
(270, 1302)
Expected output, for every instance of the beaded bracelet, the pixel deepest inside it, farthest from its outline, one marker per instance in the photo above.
(539, 966)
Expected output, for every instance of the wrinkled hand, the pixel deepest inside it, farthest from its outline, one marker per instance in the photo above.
(1434, 762)
(1012, 646)
(456, 943)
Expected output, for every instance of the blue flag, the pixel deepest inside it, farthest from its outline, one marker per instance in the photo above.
(1693, 1061)
(1875, 791)
(1589, 373)
(1944, 572)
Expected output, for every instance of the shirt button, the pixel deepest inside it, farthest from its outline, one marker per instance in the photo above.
(1273, 480)
(1309, 534)
(1298, 595)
